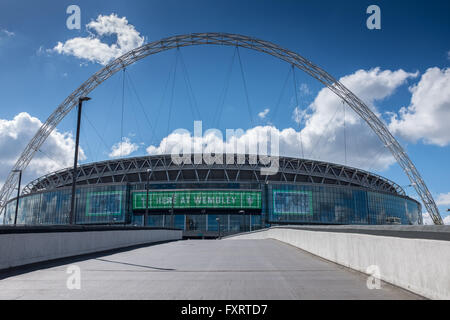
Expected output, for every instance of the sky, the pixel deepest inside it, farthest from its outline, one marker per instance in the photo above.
(400, 71)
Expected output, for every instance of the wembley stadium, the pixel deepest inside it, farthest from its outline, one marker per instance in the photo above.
(203, 199)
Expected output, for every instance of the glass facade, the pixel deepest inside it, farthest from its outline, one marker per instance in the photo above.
(93, 205)
(308, 204)
(229, 223)
(278, 204)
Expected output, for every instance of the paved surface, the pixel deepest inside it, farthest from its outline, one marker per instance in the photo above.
(200, 269)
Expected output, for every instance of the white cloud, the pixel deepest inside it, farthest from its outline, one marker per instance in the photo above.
(443, 199)
(7, 33)
(55, 154)
(288, 139)
(42, 51)
(427, 219)
(123, 148)
(320, 137)
(5, 36)
(298, 115)
(91, 48)
(446, 220)
(304, 89)
(427, 117)
(323, 135)
(264, 113)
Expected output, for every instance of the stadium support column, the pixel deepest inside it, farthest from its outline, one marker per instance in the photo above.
(75, 160)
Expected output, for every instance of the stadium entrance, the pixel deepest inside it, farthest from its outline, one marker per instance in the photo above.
(200, 213)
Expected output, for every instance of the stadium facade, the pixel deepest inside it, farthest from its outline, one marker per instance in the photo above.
(199, 197)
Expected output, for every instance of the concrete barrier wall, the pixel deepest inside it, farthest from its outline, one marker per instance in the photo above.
(419, 265)
(24, 248)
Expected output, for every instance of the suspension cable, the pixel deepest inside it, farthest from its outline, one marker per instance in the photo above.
(274, 114)
(133, 111)
(108, 116)
(379, 153)
(297, 106)
(171, 99)
(131, 82)
(161, 104)
(218, 112)
(321, 134)
(50, 158)
(245, 87)
(193, 104)
(95, 130)
(83, 134)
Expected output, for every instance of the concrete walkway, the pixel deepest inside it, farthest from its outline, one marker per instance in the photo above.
(200, 269)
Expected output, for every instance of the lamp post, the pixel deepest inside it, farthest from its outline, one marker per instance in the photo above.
(146, 199)
(18, 194)
(75, 160)
(243, 217)
(218, 225)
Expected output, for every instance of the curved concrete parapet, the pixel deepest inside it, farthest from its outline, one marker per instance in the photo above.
(22, 246)
(416, 258)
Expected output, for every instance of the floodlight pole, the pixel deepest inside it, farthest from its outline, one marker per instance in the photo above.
(75, 160)
(18, 195)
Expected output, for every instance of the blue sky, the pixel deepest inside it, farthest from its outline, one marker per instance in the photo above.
(413, 38)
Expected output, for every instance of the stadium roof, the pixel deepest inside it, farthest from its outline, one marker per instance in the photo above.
(164, 170)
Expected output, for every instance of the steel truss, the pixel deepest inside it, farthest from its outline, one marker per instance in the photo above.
(164, 170)
(229, 40)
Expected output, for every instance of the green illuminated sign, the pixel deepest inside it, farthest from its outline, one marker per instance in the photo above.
(194, 199)
(292, 202)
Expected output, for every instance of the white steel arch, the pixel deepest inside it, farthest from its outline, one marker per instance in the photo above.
(229, 40)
